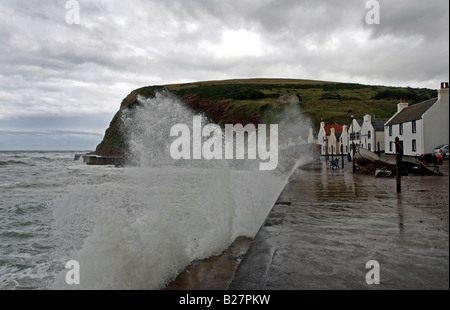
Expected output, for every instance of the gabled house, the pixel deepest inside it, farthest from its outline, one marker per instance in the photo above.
(344, 140)
(322, 138)
(312, 136)
(333, 139)
(420, 127)
(372, 134)
(329, 138)
(354, 132)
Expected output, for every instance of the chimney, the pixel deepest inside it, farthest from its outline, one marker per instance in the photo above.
(403, 104)
(368, 118)
(443, 91)
(344, 129)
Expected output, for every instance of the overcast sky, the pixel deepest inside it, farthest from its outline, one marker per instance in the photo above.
(61, 83)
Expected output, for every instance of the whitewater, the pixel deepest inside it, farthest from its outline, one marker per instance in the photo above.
(135, 227)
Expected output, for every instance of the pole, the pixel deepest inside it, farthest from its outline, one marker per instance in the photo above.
(354, 155)
(398, 162)
(342, 155)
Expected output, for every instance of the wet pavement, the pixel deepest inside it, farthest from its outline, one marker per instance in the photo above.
(327, 224)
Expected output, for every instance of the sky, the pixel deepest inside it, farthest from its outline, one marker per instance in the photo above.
(65, 66)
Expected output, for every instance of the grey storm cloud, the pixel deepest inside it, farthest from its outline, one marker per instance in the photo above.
(427, 20)
(52, 69)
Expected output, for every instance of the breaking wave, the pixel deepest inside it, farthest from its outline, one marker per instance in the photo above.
(144, 225)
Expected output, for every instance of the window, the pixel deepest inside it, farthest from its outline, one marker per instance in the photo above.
(369, 146)
(368, 134)
(414, 127)
(357, 136)
(391, 146)
(414, 145)
(400, 128)
(390, 130)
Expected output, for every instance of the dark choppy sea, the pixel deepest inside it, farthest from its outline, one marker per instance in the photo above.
(135, 227)
(129, 228)
(29, 184)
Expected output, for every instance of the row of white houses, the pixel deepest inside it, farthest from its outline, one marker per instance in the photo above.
(420, 128)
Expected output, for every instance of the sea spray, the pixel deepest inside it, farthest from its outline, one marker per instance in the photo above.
(145, 225)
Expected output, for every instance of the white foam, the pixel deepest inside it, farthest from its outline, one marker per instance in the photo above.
(145, 225)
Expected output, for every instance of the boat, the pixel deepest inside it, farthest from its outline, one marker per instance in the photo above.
(365, 157)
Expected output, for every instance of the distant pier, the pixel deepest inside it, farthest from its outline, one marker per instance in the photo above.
(91, 159)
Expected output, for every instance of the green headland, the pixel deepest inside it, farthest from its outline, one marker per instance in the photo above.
(262, 100)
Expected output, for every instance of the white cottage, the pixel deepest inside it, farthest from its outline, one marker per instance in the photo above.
(322, 138)
(372, 134)
(354, 132)
(329, 138)
(333, 141)
(420, 127)
(345, 140)
(312, 136)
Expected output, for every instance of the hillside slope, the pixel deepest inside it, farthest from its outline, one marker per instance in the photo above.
(262, 101)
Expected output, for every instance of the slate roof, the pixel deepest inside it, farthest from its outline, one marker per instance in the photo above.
(411, 113)
(359, 121)
(378, 124)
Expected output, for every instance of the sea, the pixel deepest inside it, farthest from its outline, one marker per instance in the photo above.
(131, 227)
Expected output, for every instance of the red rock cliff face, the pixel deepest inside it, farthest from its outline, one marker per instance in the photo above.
(217, 111)
(214, 111)
(114, 142)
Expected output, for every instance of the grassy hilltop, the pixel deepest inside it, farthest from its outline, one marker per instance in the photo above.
(262, 100)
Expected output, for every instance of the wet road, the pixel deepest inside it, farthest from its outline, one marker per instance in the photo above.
(327, 224)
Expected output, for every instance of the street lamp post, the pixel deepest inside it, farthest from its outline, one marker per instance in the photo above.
(353, 146)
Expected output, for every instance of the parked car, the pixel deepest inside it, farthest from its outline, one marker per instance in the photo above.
(441, 150)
